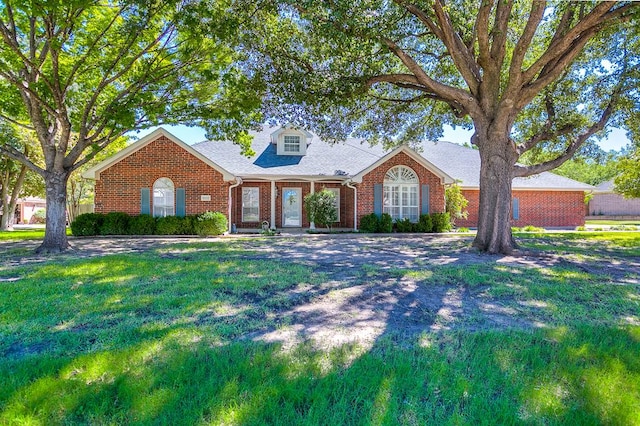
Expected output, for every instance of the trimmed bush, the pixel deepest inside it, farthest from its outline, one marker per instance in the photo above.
(210, 223)
(404, 225)
(142, 225)
(321, 208)
(441, 222)
(369, 223)
(386, 223)
(115, 223)
(87, 224)
(424, 223)
(173, 225)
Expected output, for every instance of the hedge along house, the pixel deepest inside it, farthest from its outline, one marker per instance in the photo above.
(161, 175)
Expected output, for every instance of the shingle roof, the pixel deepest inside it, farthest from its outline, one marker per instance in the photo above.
(605, 186)
(321, 159)
(354, 155)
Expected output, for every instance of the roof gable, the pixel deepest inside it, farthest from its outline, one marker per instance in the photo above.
(94, 172)
(444, 177)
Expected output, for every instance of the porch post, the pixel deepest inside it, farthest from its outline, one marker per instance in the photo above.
(312, 225)
(273, 205)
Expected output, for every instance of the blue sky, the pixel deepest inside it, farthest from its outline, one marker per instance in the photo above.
(615, 141)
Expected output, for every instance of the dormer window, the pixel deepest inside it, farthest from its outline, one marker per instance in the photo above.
(291, 141)
(292, 144)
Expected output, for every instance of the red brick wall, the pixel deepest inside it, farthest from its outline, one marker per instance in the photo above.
(118, 188)
(376, 176)
(539, 208)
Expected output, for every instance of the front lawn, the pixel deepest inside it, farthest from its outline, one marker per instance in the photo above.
(24, 234)
(183, 334)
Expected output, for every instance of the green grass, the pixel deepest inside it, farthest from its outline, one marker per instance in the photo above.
(24, 234)
(167, 337)
(597, 222)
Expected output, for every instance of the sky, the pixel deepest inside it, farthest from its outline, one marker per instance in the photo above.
(190, 135)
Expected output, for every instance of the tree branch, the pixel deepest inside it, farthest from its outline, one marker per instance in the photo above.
(570, 150)
(14, 154)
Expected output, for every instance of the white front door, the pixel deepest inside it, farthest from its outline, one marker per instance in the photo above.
(292, 207)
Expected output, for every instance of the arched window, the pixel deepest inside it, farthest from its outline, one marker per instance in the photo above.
(163, 198)
(401, 193)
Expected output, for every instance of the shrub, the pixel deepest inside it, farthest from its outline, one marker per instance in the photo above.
(321, 208)
(580, 228)
(515, 229)
(142, 225)
(386, 223)
(369, 223)
(531, 228)
(424, 223)
(115, 223)
(456, 203)
(441, 222)
(462, 229)
(171, 225)
(39, 217)
(404, 225)
(87, 224)
(210, 223)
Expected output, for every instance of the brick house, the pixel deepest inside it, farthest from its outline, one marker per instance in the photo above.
(161, 175)
(605, 202)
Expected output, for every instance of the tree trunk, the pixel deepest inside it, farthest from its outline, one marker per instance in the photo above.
(4, 202)
(55, 236)
(7, 220)
(497, 158)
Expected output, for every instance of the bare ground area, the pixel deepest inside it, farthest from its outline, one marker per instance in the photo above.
(375, 285)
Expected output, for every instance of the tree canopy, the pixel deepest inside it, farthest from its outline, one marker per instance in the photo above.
(81, 73)
(528, 75)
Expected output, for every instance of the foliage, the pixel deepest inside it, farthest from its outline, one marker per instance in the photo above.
(370, 223)
(210, 223)
(627, 182)
(527, 76)
(87, 224)
(424, 223)
(143, 224)
(321, 208)
(456, 203)
(115, 223)
(441, 222)
(404, 225)
(531, 228)
(589, 171)
(386, 223)
(82, 74)
(174, 225)
(38, 217)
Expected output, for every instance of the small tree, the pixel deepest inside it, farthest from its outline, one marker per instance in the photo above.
(321, 208)
(456, 204)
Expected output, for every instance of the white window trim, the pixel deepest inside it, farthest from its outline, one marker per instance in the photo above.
(257, 197)
(336, 191)
(281, 144)
(402, 186)
(167, 209)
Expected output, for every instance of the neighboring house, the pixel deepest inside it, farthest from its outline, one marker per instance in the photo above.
(605, 202)
(26, 207)
(161, 175)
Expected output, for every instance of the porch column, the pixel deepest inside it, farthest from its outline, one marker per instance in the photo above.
(273, 205)
(312, 225)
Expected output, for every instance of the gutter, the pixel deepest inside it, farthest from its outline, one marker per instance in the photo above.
(349, 184)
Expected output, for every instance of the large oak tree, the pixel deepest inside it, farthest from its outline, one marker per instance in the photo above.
(81, 73)
(525, 75)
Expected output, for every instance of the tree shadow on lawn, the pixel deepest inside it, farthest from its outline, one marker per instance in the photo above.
(182, 340)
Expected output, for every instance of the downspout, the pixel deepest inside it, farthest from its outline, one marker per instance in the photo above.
(230, 200)
(349, 184)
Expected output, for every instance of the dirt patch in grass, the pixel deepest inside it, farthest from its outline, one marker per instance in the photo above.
(406, 284)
